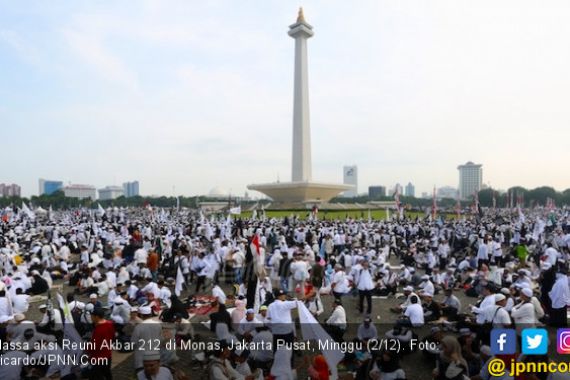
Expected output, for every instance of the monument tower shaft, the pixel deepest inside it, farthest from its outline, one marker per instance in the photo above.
(301, 191)
(301, 163)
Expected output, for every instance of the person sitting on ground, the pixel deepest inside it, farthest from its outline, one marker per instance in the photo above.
(220, 368)
(408, 293)
(414, 314)
(432, 310)
(451, 305)
(367, 330)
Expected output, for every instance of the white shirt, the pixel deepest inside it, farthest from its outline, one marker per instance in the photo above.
(218, 293)
(487, 301)
(497, 251)
(416, 314)
(279, 313)
(163, 374)
(338, 317)
(551, 255)
(5, 307)
(482, 252)
(496, 315)
(300, 267)
(523, 313)
(20, 303)
(560, 293)
(428, 287)
(339, 279)
(365, 280)
(246, 326)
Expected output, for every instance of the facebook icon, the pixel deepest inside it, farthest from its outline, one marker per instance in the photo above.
(503, 341)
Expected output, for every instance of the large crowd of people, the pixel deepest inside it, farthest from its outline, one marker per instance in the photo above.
(135, 275)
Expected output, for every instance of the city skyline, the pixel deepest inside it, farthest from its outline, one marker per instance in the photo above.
(387, 94)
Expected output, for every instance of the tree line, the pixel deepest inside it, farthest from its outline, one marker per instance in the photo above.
(539, 196)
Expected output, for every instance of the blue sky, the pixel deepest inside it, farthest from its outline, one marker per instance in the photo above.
(197, 94)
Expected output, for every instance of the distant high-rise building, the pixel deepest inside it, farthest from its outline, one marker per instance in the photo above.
(410, 190)
(376, 192)
(470, 179)
(7, 190)
(80, 191)
(49, 187)
(110, 192)
(397, 188)
(350, 177)
(446, 192)
(131, 189)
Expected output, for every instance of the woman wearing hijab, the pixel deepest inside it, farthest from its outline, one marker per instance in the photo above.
(319, 370)
(451, 364)
(176, 307)
(39, 285)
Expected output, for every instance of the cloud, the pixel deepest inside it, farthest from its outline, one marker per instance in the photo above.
(25, 50)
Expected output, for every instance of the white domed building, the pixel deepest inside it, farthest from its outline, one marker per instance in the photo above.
(218, 193)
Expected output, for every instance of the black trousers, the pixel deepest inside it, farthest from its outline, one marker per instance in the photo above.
(558, 317)
(368, 295)
(101, 372)
(335, 332)
(201, 283)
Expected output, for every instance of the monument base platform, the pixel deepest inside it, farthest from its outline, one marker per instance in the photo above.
(310, 193)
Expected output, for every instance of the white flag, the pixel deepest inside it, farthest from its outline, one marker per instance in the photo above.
(522, 218)
(235, 210)
(100, 210)
(179, 282)
(28, 212)
(65, 307)
(312, 330)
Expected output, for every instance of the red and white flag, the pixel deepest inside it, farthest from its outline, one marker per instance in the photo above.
(254, 245)
(397, 199)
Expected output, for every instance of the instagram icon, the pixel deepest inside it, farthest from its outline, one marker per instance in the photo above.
(563, 341)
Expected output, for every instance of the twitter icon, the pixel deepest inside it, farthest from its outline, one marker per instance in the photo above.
(534, 342)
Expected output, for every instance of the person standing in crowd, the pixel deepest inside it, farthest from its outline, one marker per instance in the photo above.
(365, 284)
(101, 339)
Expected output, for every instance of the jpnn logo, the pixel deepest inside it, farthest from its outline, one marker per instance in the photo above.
(503, 341)
(534, 342)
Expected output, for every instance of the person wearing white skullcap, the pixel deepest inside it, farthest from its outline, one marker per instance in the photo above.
(496, 314)
(523, 313)
(152, 370)
(149, 330)
(121, 309)
(248, 324)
